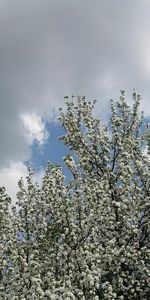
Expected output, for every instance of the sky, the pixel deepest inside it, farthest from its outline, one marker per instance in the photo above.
(50, 48)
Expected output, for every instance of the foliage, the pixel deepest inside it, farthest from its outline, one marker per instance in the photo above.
(88, 239)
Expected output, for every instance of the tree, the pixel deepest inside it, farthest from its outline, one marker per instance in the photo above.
(6, 235)
(87, 239)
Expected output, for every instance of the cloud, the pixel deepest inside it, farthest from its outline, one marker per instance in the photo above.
(34, 128)
(50, 48)
(10, 175)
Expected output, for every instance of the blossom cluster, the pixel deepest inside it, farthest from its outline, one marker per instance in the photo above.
(89, 238)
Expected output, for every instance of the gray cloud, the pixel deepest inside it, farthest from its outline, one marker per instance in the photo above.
(49, 48)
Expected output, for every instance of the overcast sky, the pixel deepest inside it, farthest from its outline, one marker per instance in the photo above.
(49, 48)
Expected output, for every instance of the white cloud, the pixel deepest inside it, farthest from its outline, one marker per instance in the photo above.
(34, 128)
(10, 175)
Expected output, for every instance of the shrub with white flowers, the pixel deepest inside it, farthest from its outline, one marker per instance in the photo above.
(89, 238)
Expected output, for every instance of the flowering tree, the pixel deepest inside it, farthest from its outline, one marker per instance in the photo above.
(88, 239)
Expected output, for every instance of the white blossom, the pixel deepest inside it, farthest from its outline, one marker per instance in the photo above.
(88, 239)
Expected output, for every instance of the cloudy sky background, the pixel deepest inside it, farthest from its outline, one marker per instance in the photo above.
(49, 48)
